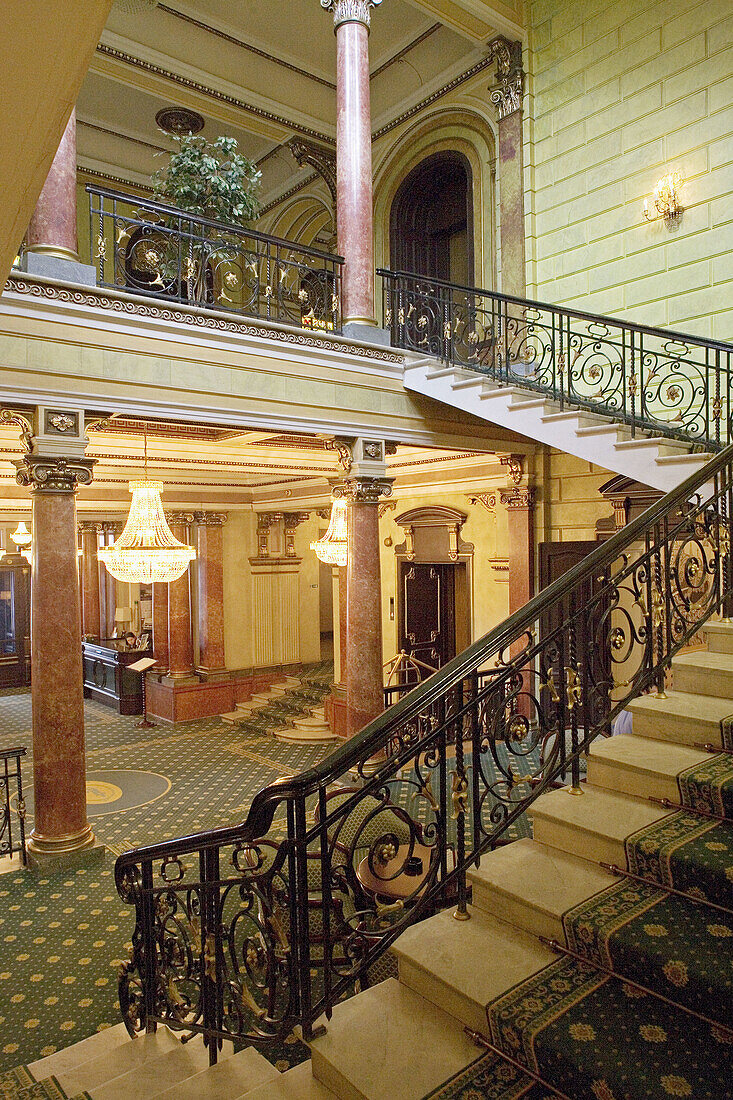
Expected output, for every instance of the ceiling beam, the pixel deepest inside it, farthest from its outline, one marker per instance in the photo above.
(44, 56)
(477, 20)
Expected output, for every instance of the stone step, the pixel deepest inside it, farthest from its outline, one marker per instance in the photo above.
(460, 966)
(311, 721)
(295, 1084)
(682, 717)
(719, 637)
(531, 886)
(388, 1043)
(639, 766)
(233, 717)
(155, 1075)
(593, 825)
(704, 673)
(239, 1075)
(101, 1043)
(120, 1060)
(319, 736)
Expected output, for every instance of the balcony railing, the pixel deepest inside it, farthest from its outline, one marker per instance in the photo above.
(241, 933)
(649, 378)
(11, 786)
(145, 247)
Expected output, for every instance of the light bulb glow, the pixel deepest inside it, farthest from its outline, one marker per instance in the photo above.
(147, 550)
(21, 536)
(332, 549)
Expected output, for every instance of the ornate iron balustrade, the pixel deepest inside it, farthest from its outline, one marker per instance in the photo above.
(146, 247)
(649, 378)
(10, 776)
(243, 932)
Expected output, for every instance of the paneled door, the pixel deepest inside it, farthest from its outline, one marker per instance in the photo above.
(14, 625)
(428, 611)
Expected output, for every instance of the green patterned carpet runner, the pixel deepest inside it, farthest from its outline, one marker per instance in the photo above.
(598, 1036)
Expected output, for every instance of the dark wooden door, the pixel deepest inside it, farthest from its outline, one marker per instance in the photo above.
(428, 612)
(592, 643)
(14, 625)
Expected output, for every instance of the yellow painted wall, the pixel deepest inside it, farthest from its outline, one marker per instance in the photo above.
(571, 499)
(239, 541)
(619, 93)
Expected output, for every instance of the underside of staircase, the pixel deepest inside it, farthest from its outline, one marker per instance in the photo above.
(654, 460)
(601, 984)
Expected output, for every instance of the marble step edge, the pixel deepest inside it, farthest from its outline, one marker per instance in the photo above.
(411, 1046)
(444, 961)
(531, 885)
(84, 1051)
(234, 1077)
(681, 717)
(639, 766)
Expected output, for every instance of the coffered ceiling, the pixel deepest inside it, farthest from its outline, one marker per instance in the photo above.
(263, 71)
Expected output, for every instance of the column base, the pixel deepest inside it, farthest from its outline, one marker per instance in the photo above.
(335, 710)
(54, 264)
(58, 853)
(183, 700)
(370, 334)
(208, 675)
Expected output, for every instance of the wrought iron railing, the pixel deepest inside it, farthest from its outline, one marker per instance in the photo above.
(243, 932)
(651, 379)
(146, 247)
(12, 840)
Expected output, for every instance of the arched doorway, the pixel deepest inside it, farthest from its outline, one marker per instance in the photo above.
(431, 220)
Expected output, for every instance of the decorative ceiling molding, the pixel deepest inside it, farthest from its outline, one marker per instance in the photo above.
(289, 193)
(123, 137)
(456, 82)
(103, 177)
(246, 46)
(211, 93)
(164, 460)
(406, 49)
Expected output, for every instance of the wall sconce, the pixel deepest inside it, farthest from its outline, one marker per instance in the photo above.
(666, 200)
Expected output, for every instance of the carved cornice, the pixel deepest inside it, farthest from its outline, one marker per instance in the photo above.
(97, 299)
(350, 11)
(54, 475)
(518, 498)
(506, 95)
(210, 519)
(318, 157)
(211, 93)
(364, 490)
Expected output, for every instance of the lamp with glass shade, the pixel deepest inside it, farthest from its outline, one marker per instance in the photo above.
(332, 549)
(147, 551)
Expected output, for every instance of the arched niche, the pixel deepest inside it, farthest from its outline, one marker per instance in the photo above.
(457, 131)
(431, 220)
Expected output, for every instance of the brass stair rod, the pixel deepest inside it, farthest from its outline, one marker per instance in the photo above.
(667, 804)
(662, 886)
(481, 1041)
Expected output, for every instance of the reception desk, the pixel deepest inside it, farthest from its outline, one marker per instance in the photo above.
(108, 679)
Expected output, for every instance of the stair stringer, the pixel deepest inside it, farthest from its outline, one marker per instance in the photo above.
(654, 460)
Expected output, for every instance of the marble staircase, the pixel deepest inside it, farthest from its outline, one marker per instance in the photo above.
(404, 1038)
(654, 460)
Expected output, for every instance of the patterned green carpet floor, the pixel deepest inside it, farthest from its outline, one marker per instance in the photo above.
(63, 936)
(644, 1008)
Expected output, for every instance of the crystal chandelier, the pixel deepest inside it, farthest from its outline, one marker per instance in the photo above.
(21, 536)
(147, 550)
(332, 548)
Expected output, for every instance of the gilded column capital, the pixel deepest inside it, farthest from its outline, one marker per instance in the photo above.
(210, 519)
(90, 526)
(506, 94)
(180, 519)
(350, 11)
(518, 498)
(364, 490)
(43, 474)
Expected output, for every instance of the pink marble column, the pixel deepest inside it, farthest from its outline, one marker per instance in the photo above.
(90, 606)
(354, 207)
(60, 820)
(160, 624)
(180, 642)
(52, 228)
(364, 676)
(210, 557)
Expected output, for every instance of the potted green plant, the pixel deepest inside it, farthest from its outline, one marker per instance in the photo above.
(211, 179)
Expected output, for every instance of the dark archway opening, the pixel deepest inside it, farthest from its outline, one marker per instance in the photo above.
(431, 221)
